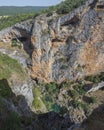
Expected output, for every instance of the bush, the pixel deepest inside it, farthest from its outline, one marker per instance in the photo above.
(36, 92)
(63, 110)
(37, 103)
(16, 43)
(68, 5)
(80, 89)
(79, 104)
(52, 88)
(74, 94)
(65, 84)
(93, 99)
(56, 108)
(48, 101)
(95, 78)
(5, 90)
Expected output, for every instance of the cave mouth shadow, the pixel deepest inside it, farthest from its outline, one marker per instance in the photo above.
(25, 38)
(19, 115)
(14, 110)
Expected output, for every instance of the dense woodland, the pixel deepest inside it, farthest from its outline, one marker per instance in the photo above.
(15, 10)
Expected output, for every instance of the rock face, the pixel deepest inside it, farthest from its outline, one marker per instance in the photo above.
(25, 90)
(66, 47)
(70, 46)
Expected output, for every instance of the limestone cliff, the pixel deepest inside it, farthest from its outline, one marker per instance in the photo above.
(70, 46)
(64, 47)
(61, 48)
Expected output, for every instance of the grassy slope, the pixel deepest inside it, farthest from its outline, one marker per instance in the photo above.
(9, 66)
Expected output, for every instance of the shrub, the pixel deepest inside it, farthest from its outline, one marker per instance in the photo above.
(80, 89)
(56, 108)
(76, 103)
(74, 94)
(95, 78)
(64, 67)
(93, 99)
(48, 101)
(16, 43)
(36, 92)
(48, 98)
(79, 104)
(68, 5)
(38, 103)
(65, 84)
(63, 110)
(52, 88)
(5, 90)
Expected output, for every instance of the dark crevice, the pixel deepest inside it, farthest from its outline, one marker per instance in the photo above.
(25, 38)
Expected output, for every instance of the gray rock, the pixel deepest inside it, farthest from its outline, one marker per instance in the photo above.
(25, 90)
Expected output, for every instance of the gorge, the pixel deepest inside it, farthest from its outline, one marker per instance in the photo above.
(49, 68)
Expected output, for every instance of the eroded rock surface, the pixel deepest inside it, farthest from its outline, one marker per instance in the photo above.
(70, 46)
(66, 47)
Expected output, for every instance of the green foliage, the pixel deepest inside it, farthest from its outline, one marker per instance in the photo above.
(5, 90)
(8, 66)
(65, 84)
(56, 108)
(93, 100)
(64, 67)
(48, 98)
(95, 78)
(79, 104)
(52, 88)
(63, 110)
(36, 92)
(85, 107)
(79, 88)
(74, 94)
(19, 14)
(16, 43)
(11, 20)
(37, 102)
(67, 6)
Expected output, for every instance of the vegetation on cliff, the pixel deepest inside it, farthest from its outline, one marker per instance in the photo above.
(67, 6)
(13, 19)
(9, 67)
(62, 8)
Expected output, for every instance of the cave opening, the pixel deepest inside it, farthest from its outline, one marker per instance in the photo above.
(22, 39)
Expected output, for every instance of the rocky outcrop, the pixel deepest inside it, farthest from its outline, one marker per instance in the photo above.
(70, 46)
(19, 30)
(66, 47)
(61, 48)
(25, 90)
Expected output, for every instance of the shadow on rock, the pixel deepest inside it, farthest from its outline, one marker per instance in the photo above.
(95, 121)
(15, 114)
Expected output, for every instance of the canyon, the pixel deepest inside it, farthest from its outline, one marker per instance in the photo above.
(59, 51)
